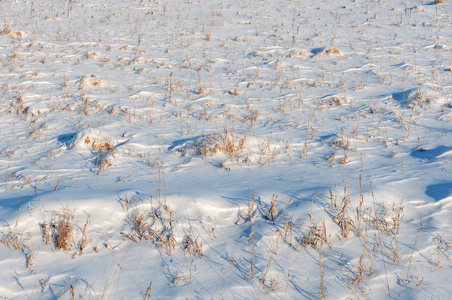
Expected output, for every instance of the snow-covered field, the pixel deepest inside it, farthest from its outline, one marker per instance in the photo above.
(225, 149)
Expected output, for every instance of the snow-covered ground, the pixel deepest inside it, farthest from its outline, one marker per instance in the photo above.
(225, 149)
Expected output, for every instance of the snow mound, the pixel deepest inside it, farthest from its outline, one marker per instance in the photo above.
(88, 138)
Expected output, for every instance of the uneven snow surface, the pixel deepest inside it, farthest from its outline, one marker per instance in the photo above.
(225, 149)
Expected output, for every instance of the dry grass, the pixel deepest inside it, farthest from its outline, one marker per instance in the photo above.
(89, 83)
(388, 219)
(99, 145)
(333, 52)
(273, 210)
(342, 218)
(329, 52)
(61, 231)
(71, 289)
(83, 240)
(12, 239)
(263, 279)
(251, 209)
(141, 229)
(247, 104)
(104, 150)
(30, 257)
(229, 143)
(157, 227)
(329, 162)
(287, 232)
(8, 31)
(316, 236)
(362, 271)
(418, 98)
(274, 284)
(192, 246)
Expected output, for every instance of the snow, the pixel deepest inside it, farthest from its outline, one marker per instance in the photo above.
(165, 132)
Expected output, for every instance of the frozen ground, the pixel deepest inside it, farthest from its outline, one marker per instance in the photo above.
(225, 149)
